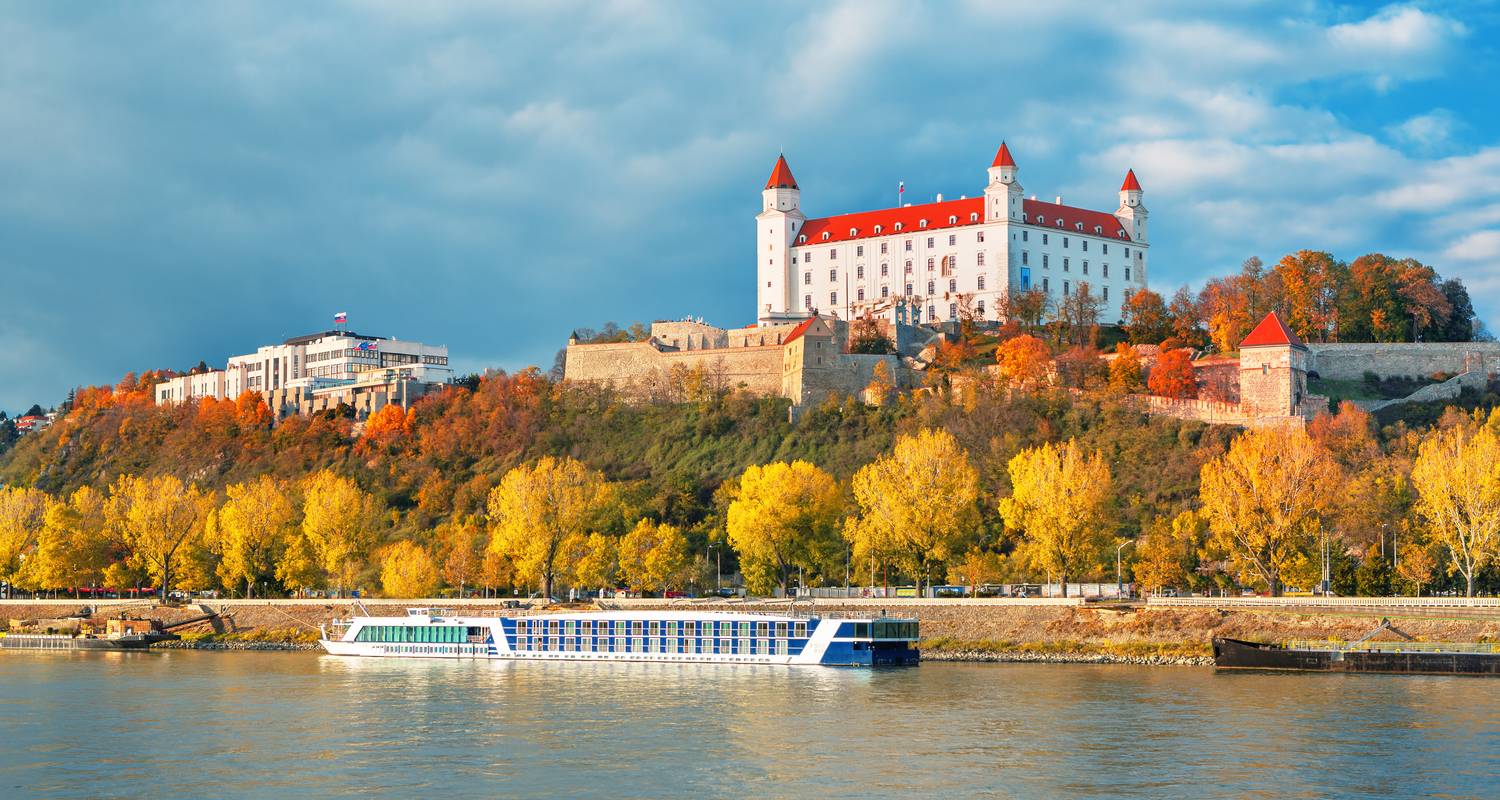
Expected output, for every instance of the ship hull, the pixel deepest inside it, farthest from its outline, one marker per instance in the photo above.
(1237, 654)
(53, 642)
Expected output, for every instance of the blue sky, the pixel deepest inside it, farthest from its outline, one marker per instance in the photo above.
(185, 181)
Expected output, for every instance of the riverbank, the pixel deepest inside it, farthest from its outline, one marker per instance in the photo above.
(951, 630)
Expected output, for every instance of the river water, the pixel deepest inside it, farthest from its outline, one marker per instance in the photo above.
(204, 724)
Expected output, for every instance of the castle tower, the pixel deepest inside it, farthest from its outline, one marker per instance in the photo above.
(1002, 197)
(1273, 370)
(1132, 213)
(776, 228)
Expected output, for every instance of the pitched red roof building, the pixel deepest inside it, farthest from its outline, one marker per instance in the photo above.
(781, 176)
(1272, 332)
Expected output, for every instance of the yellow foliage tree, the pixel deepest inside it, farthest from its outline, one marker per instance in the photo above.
(156, 518)
(537, 507)
(653, 557)
(916, 503)
(1457, 477)
(1267, 498)
(73, 549)
(977, 568)
(22, 515)
(598, 561)
(338, 519)
(408, 571)
(1058, 501)
(461, 544)
(252, 530)
(1024, 361)
(1125, 369)
(1164, 552)
(783, 516)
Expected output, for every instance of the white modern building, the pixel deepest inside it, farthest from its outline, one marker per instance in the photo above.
(319, 363)
(919, 263)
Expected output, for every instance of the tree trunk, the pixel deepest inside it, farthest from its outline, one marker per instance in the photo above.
(249, 587)
(1469, 584)
(1064, 578)
(166, 579)
(547, 588)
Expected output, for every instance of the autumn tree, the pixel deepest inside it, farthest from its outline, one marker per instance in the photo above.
(1165, 551)
(598, 562)
(1185, 313)
(1059, 496)
(784, 516)
(1172, 375)
(1144, 317)
(916, 503)
(866, 335)
(22, 514)
(461, 546)
(881, 384)
(408, 571)
(1457, 477)
(1077, 320)
(1027, 307)
(977, 568)
(1125, 370)
(537, 507)
(1025, 361)
(155, 518)
(339, 520)
(73, 549)
(1267, 498)
(653, 556)
(253, 527)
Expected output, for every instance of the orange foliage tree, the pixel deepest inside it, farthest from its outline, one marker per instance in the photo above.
(1024, 361)
(1173, 376)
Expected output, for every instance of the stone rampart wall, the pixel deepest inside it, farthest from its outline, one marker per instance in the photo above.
(634, 366)
(1351, 361)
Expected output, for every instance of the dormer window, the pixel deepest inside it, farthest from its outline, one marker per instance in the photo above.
(853, 231)
(802, 239)
(899, 226)
(1078, 225)
(1041, 220)
(1059, 223)
(922, 223)
(973, 217)
(825, 236)
(953, 220)
(1098, 230)
(878, 229)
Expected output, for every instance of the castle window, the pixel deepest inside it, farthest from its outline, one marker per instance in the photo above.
(1085, 245)
(807, 301)
(932, 312)
(1044, 238)
(1046, 285)
(973, 217)
(908, 289)
(802, 239)
(1065, 263)
(859, 251)
(833, 298)
(952, 240)
(981, 286)
(1067, 288)
(1127, 252)
(1105, 290)
(833, 274)
(1041, 220)
(1085, 267)
(930, 263)
(854, 231)
(930, 243)
(859, 272)
(833, 252)
(861, 295)
(898, 226)
(1105, 248)
(1104, 268)
(885, 291)
(952, 310)
(1127, 273)
(1059, 223)
(952, 285)
(1065, 242)
(878, 229)
(1025, 257)
(1046, 260)
(931, 287)
(979, 237)
(979, 307)
(1265, 369)
(1098, 229)
(908, 266)
(794, 261)
(979, 259)
(807, 279)
(885, 270)
(884, 248)
(1025, 236)
(1078, 225)
(908, 241)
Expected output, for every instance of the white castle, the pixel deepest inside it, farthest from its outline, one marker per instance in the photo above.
(920, 263)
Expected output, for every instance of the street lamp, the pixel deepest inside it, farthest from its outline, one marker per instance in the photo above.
(1119, 581)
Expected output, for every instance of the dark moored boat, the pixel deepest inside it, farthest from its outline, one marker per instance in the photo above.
(1362, 655)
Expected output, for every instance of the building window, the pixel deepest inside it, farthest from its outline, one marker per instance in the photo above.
(981, 283)
(953, 311)
(1044, 238)
(859, 251)
(1065, 242)
(807, 279)
(1065, 264)
(930, 244)
(1046, 285)
(1025, 257)
(1104, 268)
(952, 240)
(885, 270)
(908, 289)
(908, 243)
(1105, 291)
(1085, 267)
(1085, 245)
(932, 287)
(1127, 252)
(833, 274)
(833, 298)
(807, 301)
(908, 266)
(930, 263)
(1067, 288)
(861, 294)
(979, 308)
(833, 253)
(932, 312)
(979, 259)
(979, 237)
(1026, 279)
(1127, 273)
(1046, 261)
(952, 285)
(1025, 236)
(884, 246)
(885, 291)
(1105, 248)
(859, 272)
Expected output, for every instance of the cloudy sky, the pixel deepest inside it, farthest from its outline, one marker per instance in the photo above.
(185, 181)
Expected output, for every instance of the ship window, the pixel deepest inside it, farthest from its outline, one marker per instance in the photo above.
(861, 630)
(801, 630)
(744, 629)
(672, 628)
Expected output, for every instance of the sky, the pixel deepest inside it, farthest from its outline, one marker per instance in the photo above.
(188, 181)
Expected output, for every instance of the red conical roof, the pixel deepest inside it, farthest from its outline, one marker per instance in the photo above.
(1131, 184)
(1271, 331)
(781, 176)
(1002, 157)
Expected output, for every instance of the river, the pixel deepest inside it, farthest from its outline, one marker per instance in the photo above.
(206, 724)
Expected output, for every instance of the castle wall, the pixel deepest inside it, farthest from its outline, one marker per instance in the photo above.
(636, 366)
(1352, 361)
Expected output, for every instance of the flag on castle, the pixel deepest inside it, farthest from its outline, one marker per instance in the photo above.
(341, 318)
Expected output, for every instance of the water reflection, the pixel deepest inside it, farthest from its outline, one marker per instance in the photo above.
(251, 724)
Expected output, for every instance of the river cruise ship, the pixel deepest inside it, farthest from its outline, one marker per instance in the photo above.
(713, 637)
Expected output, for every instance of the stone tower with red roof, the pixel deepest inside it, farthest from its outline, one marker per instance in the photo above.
(778, 223)
(1273, 370)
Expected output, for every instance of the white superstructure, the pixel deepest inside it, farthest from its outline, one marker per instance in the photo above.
(922, 262)
(669, 636)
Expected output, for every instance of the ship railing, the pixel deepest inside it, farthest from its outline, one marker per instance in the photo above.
(1394, 647)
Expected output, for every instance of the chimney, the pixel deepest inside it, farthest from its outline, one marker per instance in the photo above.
(1059, 199)
(940, 197)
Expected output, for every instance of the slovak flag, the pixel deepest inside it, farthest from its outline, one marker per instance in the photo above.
(341, 317)
(901, 187)
(366, 345)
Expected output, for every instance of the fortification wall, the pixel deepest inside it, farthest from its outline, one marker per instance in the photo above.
(635, 366)
(1351, 361)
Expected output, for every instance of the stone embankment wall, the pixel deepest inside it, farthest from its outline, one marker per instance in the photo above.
(1352, 361)
(637, 365)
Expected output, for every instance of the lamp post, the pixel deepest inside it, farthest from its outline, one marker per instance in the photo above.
(1119, 578)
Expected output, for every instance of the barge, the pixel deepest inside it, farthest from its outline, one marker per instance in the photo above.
(712, 637)
(1362, 655)
(67, 641)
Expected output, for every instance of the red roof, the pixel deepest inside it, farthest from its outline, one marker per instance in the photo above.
(1271, 332)
(1002, 158)
(799, 330)
(781, 176)
(1131, 184)
(967, 211)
